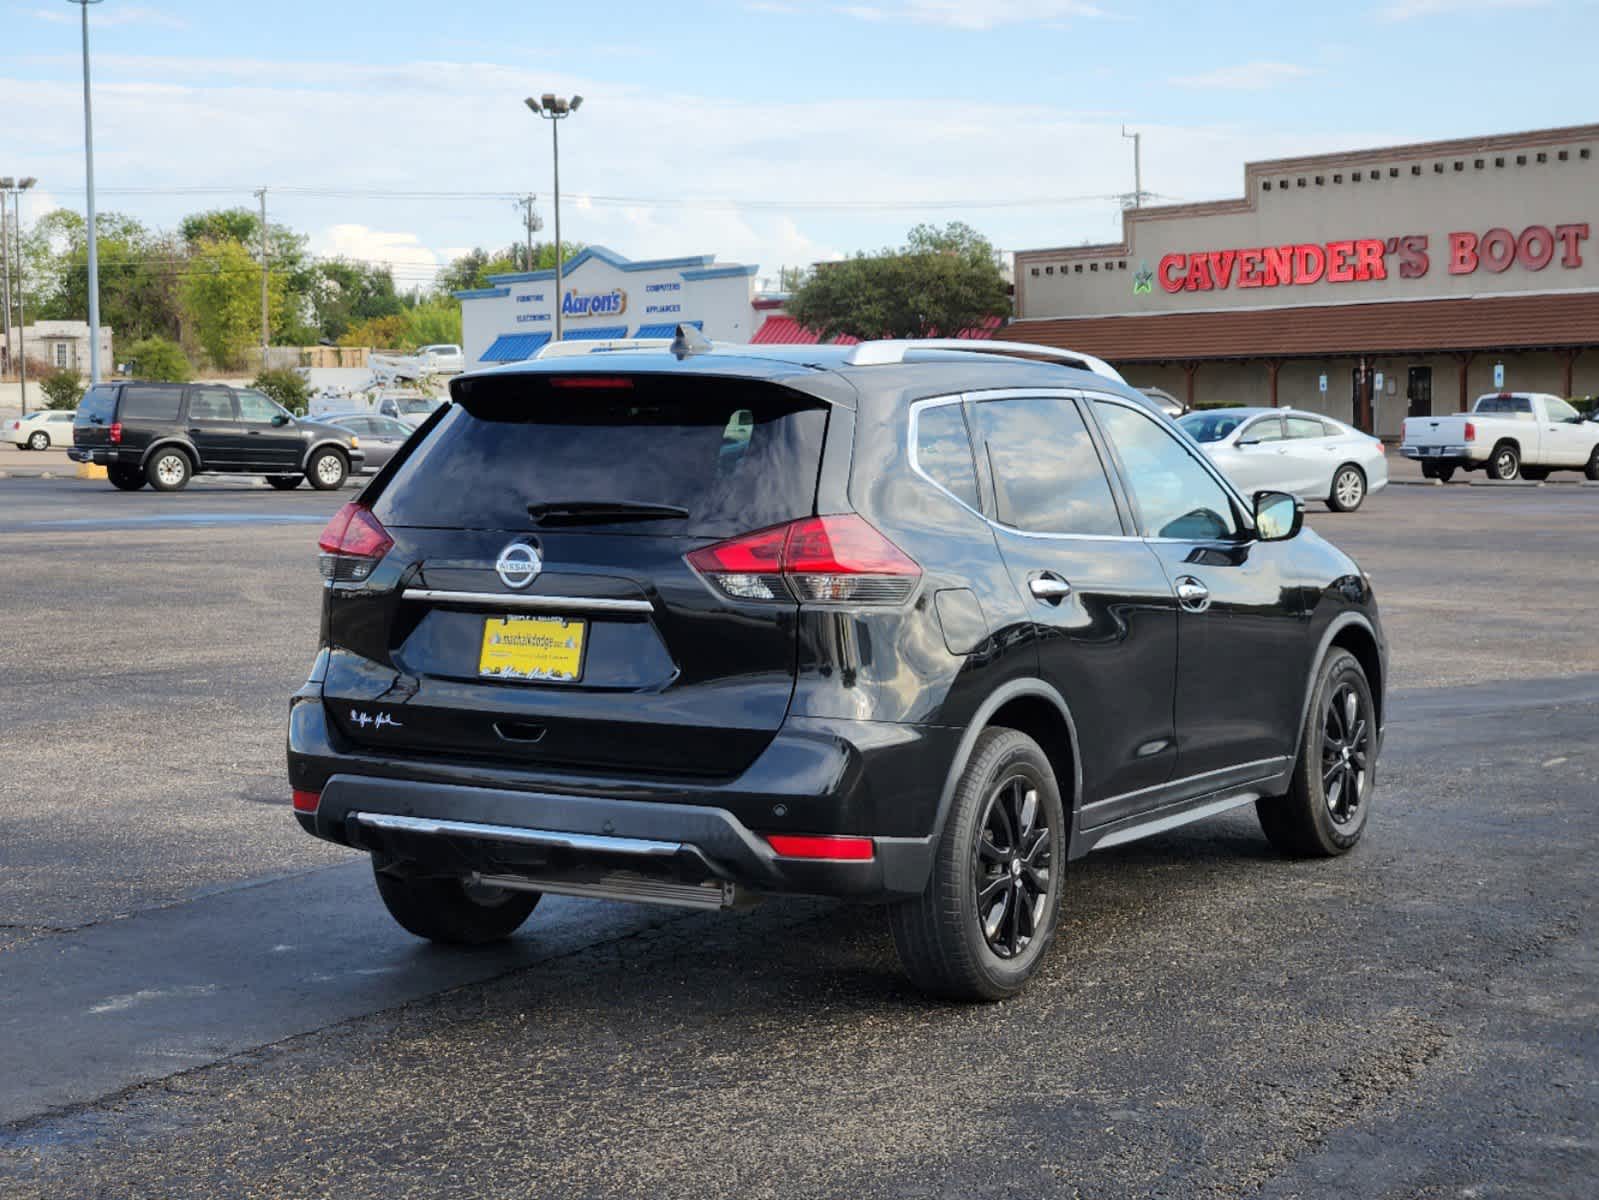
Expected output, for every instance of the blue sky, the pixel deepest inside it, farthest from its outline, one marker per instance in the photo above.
(767, 131)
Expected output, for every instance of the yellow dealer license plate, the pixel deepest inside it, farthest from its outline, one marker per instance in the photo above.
(538, 648)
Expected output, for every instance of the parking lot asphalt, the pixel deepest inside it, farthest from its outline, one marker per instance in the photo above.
(196, 999)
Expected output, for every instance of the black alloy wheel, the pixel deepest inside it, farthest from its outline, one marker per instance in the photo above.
(1345, 753)
(1010, 867)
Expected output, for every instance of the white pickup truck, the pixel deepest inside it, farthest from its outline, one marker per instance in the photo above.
(1510, 435)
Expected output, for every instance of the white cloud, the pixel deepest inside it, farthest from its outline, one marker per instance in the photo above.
(402, 251)
(973, 14)
(1409, 10)
(116, 15)
(1255, 76)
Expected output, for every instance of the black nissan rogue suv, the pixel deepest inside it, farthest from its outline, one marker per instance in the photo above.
(917, 623)
(164, 434)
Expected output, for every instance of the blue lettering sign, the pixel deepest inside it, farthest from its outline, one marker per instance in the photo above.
(604, 304)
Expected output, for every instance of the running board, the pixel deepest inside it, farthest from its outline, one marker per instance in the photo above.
(623, 886)
(1159, 824)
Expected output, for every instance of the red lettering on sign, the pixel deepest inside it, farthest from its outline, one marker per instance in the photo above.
(1279, 265)
(1310, 261)
(1198, 274)
(1570, 236)
(1249, 268)
(1535, 247)
(1462, 253)
(1369, 262)
(1221, 267)
(1339, 267)
(1169, 279)
(1413, 259)
(1498, 250)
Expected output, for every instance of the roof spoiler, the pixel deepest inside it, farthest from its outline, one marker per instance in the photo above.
(871, 354)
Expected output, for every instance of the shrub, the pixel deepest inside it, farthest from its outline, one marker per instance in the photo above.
(158, 359)
(64, 388)
(285, 386)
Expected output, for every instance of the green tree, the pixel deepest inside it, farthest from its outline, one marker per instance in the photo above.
(943, 281)
(345, 293)
(434, 321)
(222, 300)
(381, 333)
(472, 269)
(157, 358)
(62, 388)
(287, 387)
(139, 270)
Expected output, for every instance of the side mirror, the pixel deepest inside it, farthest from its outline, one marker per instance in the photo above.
(280, 420)
(1278, 516)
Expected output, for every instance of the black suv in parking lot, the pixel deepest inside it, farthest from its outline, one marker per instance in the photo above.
(164, 434)
(917, 623)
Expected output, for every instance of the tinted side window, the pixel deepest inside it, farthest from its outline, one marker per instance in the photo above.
(944, 451)
(255, 406)
(1047, 474)
(1176, 497)
(98, 403)
(150, 403)
(1306, 427)
(210, 404)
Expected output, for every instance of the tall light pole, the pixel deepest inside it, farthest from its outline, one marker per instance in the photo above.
(555, 110)
(5, 268)
(1138, 166)
(16, 188)
(88, 156)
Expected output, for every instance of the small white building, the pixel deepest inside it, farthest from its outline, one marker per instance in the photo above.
(61, 344)
(604, 295)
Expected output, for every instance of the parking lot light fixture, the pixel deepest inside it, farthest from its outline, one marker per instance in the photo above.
(555, 109)
(15, 188)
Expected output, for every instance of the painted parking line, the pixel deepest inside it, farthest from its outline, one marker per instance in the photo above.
(201, 518)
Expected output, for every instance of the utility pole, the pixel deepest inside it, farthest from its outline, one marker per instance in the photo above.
(88, 163)
(5, 273)
(532, 222)
(1138, 168)
(16, 187)
(555, 109)
(261, 194)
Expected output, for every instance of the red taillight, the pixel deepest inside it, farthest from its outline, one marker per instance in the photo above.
(116, 432)
(1471, 432)
(353, 543)
(838, 849)
(597, 382)
(837, 558)
(307, 802)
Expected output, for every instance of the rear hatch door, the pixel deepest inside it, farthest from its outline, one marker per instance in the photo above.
(545, 613)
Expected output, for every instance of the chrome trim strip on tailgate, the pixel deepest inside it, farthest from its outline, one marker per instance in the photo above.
(590, 842)
(504, 602)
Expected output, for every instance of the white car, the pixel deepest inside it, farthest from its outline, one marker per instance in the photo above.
(443, 359)
(1279, 449)
(42, 430)
(412, 409)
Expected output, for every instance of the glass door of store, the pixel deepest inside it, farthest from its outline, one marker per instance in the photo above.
(1419, 391)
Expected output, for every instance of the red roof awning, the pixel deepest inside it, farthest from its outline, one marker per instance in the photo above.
(1308, 331)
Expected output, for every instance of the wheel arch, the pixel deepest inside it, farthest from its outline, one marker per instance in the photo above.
(1354, 633)
(326, 443)
(1033, 707)
(164, 443)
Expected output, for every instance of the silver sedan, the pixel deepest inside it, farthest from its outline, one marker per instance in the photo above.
(1313, 456)
(380, 436)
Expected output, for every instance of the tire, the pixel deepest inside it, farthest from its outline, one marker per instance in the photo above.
(1325, 810)
(169, 470)
(1348, 490)
(1535, 474)
(285, 483)
(1505, 463)
(1592, 469)
(327, 470)
(953, 942)
(125, 478)
(1445, 474)
(38, 440)
(443, 910)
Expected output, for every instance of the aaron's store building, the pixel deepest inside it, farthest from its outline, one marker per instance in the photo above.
(1371, 285)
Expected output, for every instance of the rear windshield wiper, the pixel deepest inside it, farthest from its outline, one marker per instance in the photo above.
(582, 512)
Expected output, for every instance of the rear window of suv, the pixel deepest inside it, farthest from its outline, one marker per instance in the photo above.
(736, 455)
(150, 403)
(98, 403)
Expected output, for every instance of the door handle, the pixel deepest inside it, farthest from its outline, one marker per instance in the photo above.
(1051, 589)
(195, 429)
(1192, 595)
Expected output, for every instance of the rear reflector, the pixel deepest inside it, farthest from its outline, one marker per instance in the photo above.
(838, 849)
(353, 543)
(307, 802)
(835, 558)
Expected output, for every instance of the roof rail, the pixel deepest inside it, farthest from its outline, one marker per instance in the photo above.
(871, 354)
(581, 346)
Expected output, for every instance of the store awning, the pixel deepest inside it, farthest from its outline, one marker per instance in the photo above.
(1477, 323)
(669, 329)
(601, 331)
(514, 347)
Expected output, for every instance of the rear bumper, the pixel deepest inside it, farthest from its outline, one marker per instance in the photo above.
(1451, 453)
(856, 778)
